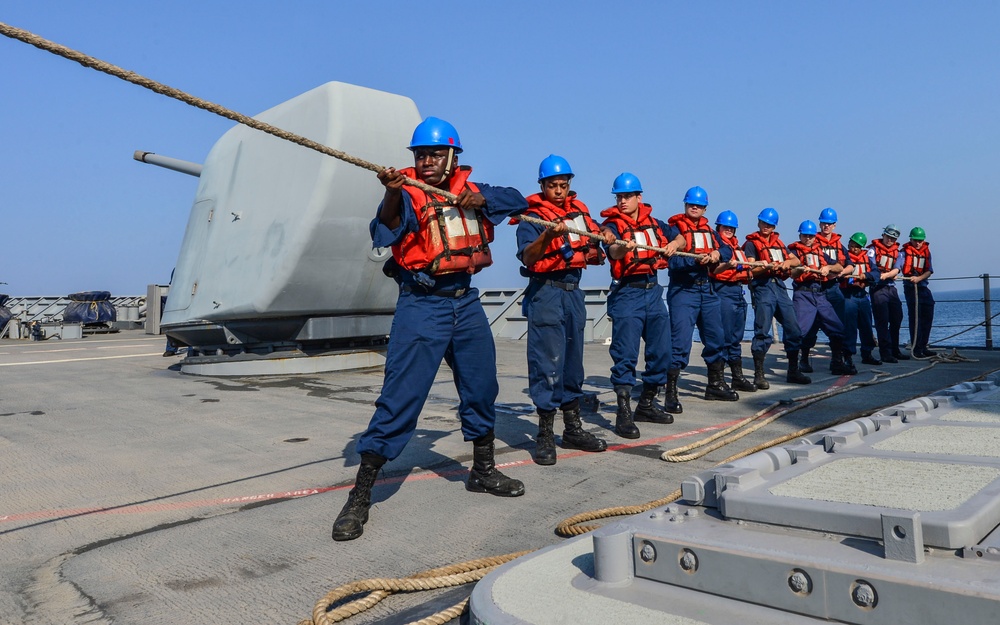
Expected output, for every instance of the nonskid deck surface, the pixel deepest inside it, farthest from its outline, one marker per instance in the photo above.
(133, 493)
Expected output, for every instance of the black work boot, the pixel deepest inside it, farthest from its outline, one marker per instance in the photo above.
(849, 364)
(804, 364)
(647, 410)
(868, 359)
(484, 476)
(837, 364)
(717, 388)
(795, 375)
(671, 403)
(758, 371)
(545, 442)
(740, 383)
(352, 518)
(624, 425)
(574, 436)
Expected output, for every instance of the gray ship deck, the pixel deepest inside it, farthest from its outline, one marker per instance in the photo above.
(133, 493)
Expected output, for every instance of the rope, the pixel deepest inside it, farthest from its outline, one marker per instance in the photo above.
(136, 79)
(379, 588)
(570, 527)
(678, 455)
(597, 237)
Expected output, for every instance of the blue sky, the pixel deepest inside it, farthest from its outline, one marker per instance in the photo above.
(885, 111)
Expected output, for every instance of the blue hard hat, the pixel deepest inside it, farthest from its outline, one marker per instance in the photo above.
(828, 216)
(807, 227)
(696, 196)
(727, 218)
(626, 183)
(434, 132)
(553, 165)
(768, 216)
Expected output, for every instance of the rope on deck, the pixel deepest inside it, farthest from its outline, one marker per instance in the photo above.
(761, 418)
(379, 588)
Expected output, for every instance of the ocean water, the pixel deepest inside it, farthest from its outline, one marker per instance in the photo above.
(956, 313)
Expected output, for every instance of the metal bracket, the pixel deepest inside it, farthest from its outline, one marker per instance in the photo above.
(903, 537)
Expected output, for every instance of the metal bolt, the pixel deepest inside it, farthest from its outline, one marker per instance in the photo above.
(648, 554)
(693, 512)
(673, 509)
(799, 583)
(689, 561)
(863, 595)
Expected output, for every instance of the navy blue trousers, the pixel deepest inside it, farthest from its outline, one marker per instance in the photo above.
(920, 314)
(426, 330)
(858, 322)
(835, 296)
(733, 307)
(770, 301)
(639, 314)
(887, 311)
(556, 320)
(694, 305)
(812, 306)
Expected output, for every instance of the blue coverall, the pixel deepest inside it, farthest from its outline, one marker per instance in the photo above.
(812, 306)
(858, 313)
(693, 302)
(557, 315)
(637, 311)
(770, 300)
(445, 321)
(919, 307)
(835, 296)
(733, 308)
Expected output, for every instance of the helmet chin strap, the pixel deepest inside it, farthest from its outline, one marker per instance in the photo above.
(450, 165)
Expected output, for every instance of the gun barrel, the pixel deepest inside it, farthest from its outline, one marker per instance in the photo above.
(185, 167)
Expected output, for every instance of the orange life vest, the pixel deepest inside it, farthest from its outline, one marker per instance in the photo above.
(885, 255)
(859, 260)
(448, 239)
(770, 250)
(574, 214)
(698, 235)
(811, 257)
(644, 231)
(831, 247)
(734, 275)
(916, 261)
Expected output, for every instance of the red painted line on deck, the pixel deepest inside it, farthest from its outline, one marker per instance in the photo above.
(307, 492)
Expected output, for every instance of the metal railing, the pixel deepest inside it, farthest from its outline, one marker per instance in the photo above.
(50, 308)
(503, 309)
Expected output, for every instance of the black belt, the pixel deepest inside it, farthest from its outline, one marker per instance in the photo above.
(815, 286)
(453, 293)
(565, 286)
(640, 285)
(640, 282)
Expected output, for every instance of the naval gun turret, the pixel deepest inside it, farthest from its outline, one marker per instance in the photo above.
(276, 273)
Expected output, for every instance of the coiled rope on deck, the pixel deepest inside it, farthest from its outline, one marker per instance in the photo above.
(379, 588)
(708, 444)
(571, 527)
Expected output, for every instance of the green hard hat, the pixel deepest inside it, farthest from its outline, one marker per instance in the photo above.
(860, 238)
(918, 234)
